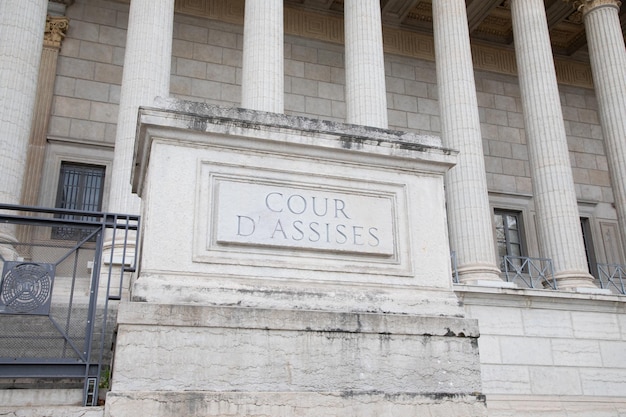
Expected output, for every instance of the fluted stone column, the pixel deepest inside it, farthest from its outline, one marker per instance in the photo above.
(263, 79)
(608, 64)
(22, 24)
(469, 215)
(366, 95)
(147, 63)
(56, 27)
(560, 236)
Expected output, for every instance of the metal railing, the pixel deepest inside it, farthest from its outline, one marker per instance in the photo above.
(55, 290)
(532, 272)
(612, 277)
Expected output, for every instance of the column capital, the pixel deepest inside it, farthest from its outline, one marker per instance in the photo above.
(56, 26)
(586, 6)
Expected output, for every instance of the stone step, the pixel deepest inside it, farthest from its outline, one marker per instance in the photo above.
(40, 397)
(57, 411)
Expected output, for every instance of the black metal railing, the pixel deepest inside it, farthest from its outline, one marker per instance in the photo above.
(531, 272)
(55, 293)
(612, 277)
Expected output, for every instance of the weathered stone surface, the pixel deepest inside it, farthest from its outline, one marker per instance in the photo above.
(252, 234)
(550, 354)
(302, 404)
(51, 411)
(182, 348)
(300, 263)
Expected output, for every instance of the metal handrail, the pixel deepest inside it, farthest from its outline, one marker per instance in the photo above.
(531, 271)
(77, 323)
(612, 276)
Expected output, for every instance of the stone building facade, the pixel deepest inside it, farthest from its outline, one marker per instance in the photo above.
(531, 93)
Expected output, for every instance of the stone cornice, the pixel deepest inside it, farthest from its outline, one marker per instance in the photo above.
(56, 27)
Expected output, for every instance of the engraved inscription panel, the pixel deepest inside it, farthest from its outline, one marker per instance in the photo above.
(320, 219)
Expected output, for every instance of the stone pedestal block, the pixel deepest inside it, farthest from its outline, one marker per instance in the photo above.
(290, 266)
(210, 361)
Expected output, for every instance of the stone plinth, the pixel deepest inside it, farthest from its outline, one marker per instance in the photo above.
(173, 358)
(290, 266)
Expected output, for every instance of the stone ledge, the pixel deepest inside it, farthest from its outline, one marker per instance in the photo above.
(303, 404)
(272, 319)
(60, 411)
(247, 117)
(537, 298)
(555, 406)
(40, 397)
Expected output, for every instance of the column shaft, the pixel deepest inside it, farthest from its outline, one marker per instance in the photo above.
(147, 64)
(263, 79)
(469, 215)
(560, 236)
(56, 26)
(22, 24)
(366, 95)
(608, 64)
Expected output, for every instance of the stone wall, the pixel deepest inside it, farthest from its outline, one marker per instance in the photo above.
(206, 67)
(552, 354)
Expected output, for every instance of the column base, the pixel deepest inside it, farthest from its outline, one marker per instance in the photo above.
(574, 280)
(492, 284)
(483, 273)
(589, 290)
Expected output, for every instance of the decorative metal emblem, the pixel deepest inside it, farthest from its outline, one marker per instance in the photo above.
(26, 288)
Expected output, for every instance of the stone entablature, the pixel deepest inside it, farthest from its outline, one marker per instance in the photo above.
(330, 28)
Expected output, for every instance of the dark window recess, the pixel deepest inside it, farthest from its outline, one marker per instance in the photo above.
(509, 236)
(589, 251)
(80, 188)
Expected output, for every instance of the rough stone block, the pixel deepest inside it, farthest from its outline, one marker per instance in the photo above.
(555, 381)
(505, 379)
(191, 33)
(224, 38)
(525, 351)
(190, 68)
(603, 382)
(92, 51)
(590, 325)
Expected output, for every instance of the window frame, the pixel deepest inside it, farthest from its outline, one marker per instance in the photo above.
(59, 150)
(519, 219)
(79, 201)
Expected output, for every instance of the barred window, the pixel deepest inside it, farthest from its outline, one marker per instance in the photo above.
(80, 188)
